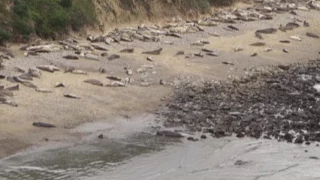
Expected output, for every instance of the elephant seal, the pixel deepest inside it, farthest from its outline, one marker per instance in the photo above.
(154, 52)
(313, 35)
(72, 96)
(171, 134)
(93, 82)
(267, 31)
(43, 124)
(113, 57)
(128, 50)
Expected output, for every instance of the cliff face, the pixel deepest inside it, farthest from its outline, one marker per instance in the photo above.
(112, 12)
(20, 19)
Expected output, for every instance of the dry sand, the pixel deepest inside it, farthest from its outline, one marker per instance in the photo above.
(106, 103)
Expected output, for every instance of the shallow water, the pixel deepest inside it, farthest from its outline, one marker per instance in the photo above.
(130, 151)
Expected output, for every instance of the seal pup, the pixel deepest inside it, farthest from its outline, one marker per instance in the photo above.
(43, 90)
(284, 41)
(26, 76)
(296, 38)
(306, 24)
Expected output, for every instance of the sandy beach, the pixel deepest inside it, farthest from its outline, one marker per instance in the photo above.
(144, 93)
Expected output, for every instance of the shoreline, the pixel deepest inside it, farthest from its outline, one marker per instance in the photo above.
(98, 103)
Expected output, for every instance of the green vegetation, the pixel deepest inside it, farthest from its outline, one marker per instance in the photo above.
(45, 18)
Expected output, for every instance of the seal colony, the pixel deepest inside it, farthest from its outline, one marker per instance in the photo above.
(137, 64)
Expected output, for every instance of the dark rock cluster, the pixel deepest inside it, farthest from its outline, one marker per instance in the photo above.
(281, 104)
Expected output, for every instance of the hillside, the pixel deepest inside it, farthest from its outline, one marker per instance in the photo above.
(50, 19)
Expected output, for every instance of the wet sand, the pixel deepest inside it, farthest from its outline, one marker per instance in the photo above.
(96, 103)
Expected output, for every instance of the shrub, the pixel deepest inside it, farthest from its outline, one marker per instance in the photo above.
(66, 3)
(4, 36)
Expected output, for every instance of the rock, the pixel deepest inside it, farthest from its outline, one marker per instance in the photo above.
(258, 44)
(313, 157)
(91, 57)
(71, 57)
(113, 57)
(72, 96)
(267, 31)
(285, 50)
(306, 24)
(128, 50)
(2, 76)
(171, 134)
(313, 35)
(43, 124)
(93, 82)
(43, 90)
(154, 52)
(48, 68)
